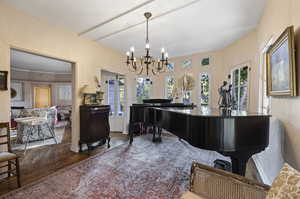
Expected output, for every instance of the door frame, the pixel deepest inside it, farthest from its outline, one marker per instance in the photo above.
(75, 108)
(114, 117)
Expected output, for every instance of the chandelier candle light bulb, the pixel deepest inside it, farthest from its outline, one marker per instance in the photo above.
(147, 61)
(147, 46)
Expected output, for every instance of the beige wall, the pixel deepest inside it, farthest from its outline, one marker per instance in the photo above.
(29, 33)
(277, 16)
(214, 69)
(242, 52)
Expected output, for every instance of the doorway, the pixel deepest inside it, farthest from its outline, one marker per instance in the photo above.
(114, 86)
(42, 88)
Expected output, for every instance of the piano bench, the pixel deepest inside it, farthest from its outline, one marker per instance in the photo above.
(213, 183)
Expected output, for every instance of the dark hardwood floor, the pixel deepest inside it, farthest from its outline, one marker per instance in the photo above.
(43, 161)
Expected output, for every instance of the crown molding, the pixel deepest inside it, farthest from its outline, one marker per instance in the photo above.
(36, 71)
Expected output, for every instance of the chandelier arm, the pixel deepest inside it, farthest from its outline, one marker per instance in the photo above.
(141, 71)
(142, 60)
(164, 67)
(154, 72)
(131, 67)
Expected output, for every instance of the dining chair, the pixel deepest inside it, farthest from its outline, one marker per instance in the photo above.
(9, 162)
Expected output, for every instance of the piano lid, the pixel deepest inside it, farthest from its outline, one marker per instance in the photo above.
(204, 111)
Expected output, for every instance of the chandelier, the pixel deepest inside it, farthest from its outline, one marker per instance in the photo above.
(147, 62)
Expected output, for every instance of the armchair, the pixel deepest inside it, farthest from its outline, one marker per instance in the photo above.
(211, 183)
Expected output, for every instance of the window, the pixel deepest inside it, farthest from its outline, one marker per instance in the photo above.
(240, 87)
(143, 89)
(170, 67)
(121, 101)
(65, 92)
(169, 88)
(204, 89)
(187, 97)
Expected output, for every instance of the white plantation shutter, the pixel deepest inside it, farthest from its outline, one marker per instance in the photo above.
(64, 94)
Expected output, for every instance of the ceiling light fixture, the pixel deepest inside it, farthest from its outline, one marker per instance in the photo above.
(147, 62)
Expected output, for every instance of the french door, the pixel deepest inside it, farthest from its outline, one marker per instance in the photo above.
(115, 95)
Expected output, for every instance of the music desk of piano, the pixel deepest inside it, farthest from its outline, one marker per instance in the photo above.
(236, 134)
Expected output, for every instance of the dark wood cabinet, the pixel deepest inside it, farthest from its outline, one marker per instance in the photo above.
(94, 125)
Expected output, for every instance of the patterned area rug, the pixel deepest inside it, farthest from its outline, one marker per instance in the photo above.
(142, 170)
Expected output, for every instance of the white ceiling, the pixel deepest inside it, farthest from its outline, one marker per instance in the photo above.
(31, 62)
(181, 26)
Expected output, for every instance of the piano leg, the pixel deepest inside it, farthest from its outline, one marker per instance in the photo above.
(157, 130)
(130, 137)
(239, 163)
(238, 166)
(159, 134)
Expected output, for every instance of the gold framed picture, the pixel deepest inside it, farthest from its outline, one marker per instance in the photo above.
(89, 99)
(281, 66)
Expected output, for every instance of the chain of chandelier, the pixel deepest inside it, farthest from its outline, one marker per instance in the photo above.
(147, 63)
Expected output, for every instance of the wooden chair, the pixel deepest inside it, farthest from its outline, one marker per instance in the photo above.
(7, 158)
(211, 183)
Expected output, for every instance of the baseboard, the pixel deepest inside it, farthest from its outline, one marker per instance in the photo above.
(75, 148)
(262, 173)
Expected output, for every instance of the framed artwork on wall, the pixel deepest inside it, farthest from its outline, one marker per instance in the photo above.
(3, 80)
(205, 61)
(281, 68)
(170, 67)
(90, 99)
(187, 63)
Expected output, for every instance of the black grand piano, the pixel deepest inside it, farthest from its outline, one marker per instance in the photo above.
(139, 114)
(236, 134)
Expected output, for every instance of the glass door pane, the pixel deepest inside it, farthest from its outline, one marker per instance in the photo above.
(121, 95)
(143, 89)
(111, 95)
